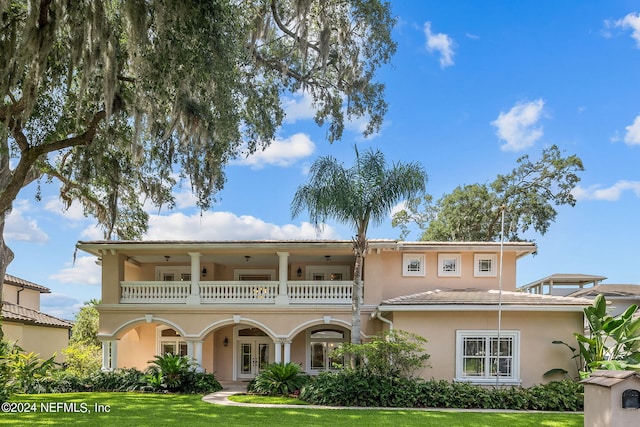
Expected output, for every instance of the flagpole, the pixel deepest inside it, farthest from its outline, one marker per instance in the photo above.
(502, 209)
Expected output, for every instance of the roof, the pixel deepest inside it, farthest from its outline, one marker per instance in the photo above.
(96, 247)
(607, 378)
(482, 299)
(567, 278)
(16, 281)
(18, 313)
(609, 290)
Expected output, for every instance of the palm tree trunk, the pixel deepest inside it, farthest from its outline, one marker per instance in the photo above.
(359, 247)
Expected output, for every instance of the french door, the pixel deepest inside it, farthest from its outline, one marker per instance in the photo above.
(253, 355)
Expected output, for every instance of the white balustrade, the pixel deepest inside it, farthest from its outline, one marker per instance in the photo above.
(234, 292)
(154, 292)
(259, 292)
(314, 292)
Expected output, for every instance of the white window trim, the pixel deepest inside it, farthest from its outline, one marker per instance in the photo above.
(327, 270)
(494, 265)
(407, 259)
(514, 379)
(248, 271)
(346, 339)
(160, 339)
(442, 258)
(176, 270)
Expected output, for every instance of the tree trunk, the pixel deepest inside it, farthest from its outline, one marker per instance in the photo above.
(6, 256)
(359, 247)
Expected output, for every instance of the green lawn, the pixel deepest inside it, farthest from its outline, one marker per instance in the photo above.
(135, 409)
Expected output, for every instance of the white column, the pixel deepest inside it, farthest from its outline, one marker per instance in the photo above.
(194, 298)
(283, 298)
(190, 353)
(198, 355)
(278, 352)
(287, 352)
(114, 355)
(106, 354)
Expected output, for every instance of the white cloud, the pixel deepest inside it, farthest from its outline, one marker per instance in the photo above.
(281, 152)
(610, 194)
(74, 213)
(20, 227)
(83, 271)
(60, 306)
(228, 226)
(397, 208)
(298, 107)
(440, 43)
(632, 137)
(631, 21)
(518, 126)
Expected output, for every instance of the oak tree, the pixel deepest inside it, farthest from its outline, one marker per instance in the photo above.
(118, 100)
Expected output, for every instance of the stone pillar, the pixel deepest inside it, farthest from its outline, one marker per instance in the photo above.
(194, 297)
(283, 298)
(287, 352)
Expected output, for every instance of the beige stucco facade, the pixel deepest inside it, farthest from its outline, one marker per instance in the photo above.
(233, 306)
(25, 325)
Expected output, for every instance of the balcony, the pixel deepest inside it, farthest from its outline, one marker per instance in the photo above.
(235, 292)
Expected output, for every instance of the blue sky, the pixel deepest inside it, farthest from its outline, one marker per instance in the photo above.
(473, 86)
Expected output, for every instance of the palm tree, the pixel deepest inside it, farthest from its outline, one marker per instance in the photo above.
(357, 196)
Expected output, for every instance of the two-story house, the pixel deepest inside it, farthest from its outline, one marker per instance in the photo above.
(234, 306)
(24, 323)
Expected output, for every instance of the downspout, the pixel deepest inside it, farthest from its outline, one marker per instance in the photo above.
(377, 313)
(18, 295)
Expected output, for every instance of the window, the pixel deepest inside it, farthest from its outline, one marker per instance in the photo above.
(174, 273)
(485, 265)
(449, 265)
(413, 265)
(479, 358)
(321, 343)
(170, 341)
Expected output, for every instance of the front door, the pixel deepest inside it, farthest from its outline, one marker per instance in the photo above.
(254, 354)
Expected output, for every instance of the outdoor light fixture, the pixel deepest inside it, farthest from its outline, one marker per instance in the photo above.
(225, 342)
(204, 271)
(247, 258)
(299, 272)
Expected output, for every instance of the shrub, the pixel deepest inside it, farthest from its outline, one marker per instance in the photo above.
(81, 358)
(279, 379)
(393, 353)
(358, 388)
(169, 371)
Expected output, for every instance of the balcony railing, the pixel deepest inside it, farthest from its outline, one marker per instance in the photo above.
(233, 292)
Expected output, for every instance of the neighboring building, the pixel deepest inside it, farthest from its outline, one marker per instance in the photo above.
(619, 297)
(235, 306)
(24, 323)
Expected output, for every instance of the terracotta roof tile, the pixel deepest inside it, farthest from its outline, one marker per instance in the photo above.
(480, 297)
(16, 281)
(18, 313)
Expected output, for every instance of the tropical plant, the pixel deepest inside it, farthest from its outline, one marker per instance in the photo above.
(84, 353)
(473, 212)
(392, 353)
(169, 371)
(114, 99)
(279, 379)
(613, 341)
(357, 196)
(26, 369)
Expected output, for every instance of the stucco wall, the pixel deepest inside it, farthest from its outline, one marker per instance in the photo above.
(42, 340)
(384, 280)
(537, 331)
(24, 297)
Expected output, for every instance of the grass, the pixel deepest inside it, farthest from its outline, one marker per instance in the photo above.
(137, 409)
